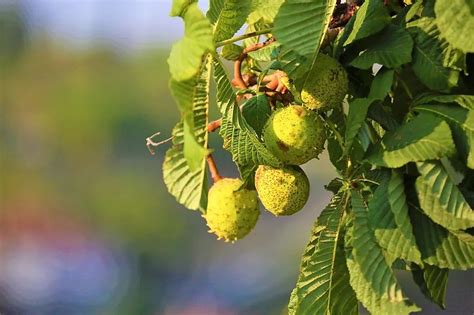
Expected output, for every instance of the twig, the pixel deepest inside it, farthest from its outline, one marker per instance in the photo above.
(214, 125)
(213, 168)
(150, 144)
(245, 36)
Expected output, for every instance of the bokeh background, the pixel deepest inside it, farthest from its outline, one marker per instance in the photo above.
(86, 224)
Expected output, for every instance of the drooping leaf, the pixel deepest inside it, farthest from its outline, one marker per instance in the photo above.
(371, 18)
(432, 56)
(463, 131)
(231, 51)
(440, 247)
(239, 137)
(184, 174)
(300, 25)
(357, 112)
(391, 48)
(189, 95)
(231, 18)
(433, 282)
(466, 101)
(323, 284)
(426, 137)
(215, 9)
(441, 199)
(382, 84)
(266, 53)
(370, 274)
(390, 220)
(187, 54)
(256, 112)
(455, 20)
(264, 10)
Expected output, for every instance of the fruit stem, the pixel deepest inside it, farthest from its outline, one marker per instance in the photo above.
(213, 168)
(241, 37)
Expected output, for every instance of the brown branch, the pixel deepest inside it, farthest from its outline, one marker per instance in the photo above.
(214, 125)
(213, 168)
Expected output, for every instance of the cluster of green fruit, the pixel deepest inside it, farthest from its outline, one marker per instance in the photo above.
(295, 134)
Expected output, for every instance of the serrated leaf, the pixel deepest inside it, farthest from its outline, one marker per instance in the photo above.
(371, 18)
(433, 282)
(382, 84)
(231, 51)
(455, 20)
(466, 101)
(323, 284)
(267, 53)
(370, 274)
(462, 119)
(300, 25)
(215, 8)
(390, 221)
(231, 18)
(357, 112)
(179, 6)
(426, 137)
(441, 199)
(239, 137)
(391, 48)
(383, 117)
(432, 56)
(264, 10)
(187, 54)
(188, 184)
(256, 111)
(189, 95)
(440, 247)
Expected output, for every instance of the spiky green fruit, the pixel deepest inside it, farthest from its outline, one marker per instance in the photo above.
(282, 191)
(231, 212)
(327, 84)
(294, 134)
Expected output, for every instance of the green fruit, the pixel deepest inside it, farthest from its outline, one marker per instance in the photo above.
(231, 212)
(327, 85)
(282, 191)
(294, 134)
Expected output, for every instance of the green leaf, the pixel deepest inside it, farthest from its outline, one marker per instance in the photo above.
(267, 53)
(264, 11)
(462, 118)
(440, 247)
(256, 112)
(370, 274)
(323, 284)
(187, 54)
(357, 112)
(239, 137)
(184, 174)
(215, 8)
(189, 95)
(382, 84)
(391, 48)
(455, 20)
(300, 25)
(441, 199)
(426, 137)
(179, 6)
(371, 18)
(390, 220)
(433, 282)
(231, 51)
(231, 18)
(432, 56)
(466, 101)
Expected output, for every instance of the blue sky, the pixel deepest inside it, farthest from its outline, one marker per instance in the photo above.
(126, 24)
